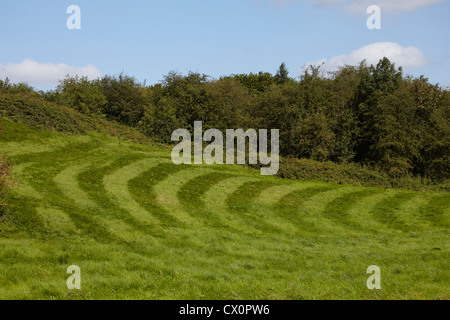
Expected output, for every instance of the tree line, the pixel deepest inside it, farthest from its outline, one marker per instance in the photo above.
(372, 115)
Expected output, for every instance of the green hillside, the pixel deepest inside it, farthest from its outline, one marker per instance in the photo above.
(140, 227)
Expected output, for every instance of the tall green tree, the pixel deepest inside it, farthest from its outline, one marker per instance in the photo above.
(282, 74)
(80, 94)
(126, 100)
(376, 81)
(256, 83)
(189, 97)
(396, 142)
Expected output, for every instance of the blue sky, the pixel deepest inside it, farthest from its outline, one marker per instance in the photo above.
(147, 39)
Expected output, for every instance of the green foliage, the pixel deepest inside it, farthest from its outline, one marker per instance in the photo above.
(279, 107)
(354, 174)
(31, 109)
(194, 232)
(369, 115)
(188, 96)
(140, 227)
(230, 105)
(255, 83)
(159, 122)
(82, 95)
(375, 82)
(5, 85)
(282, 74)
(436, 149)
(396, 141)
(19, 88)
(343, 119)
(384, 77)
(36, 111)
(125, 98)
(316, 138)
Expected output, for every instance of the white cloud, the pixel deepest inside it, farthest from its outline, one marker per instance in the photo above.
(360, 6)
(387, 6)
(44, 74)
(407, 57)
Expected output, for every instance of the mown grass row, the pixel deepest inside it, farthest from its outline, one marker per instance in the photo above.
(141, 227)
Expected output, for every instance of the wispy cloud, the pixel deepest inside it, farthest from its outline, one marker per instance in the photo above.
(387, 6)
(360, 6)
(44, 74)
(407, 57)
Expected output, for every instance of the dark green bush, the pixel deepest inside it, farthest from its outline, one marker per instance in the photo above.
(82, 95)
(354, 174)
(35, 111)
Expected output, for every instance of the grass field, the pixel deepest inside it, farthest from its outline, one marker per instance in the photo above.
(140, 227)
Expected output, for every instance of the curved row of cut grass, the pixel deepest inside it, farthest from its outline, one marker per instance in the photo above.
(141, 227)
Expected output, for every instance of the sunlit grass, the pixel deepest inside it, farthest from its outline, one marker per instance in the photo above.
(140, 227)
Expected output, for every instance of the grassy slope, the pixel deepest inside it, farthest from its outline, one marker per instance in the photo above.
(140, 227)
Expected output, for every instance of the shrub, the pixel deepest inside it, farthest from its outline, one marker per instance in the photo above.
(33, 110)
(354, 174)
(125, 99)
(82, 95)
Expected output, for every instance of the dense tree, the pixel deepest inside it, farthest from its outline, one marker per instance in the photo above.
(282, 74)
(81, 94)
(279, 107)
(371, 115)
(229, 105)
(189, 97)
(376, 81)
(438, 150)
(395, 139)
(344, 120)
(125, 97)
(160, 121)
(256, 83)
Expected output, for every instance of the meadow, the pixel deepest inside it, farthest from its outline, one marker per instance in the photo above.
(140, 227)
